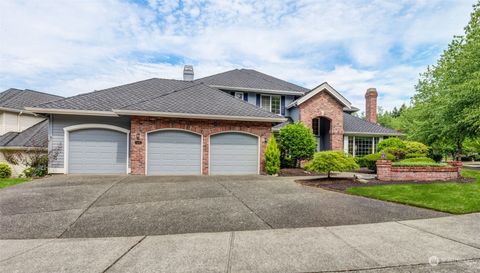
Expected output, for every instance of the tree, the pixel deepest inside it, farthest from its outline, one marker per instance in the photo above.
(297, 142)
(328, 161)
(446, 106)
(272, 157)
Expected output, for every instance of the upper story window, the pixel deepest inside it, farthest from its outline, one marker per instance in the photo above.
(270, 103)
(239, 95)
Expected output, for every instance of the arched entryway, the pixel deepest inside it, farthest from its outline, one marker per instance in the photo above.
(321, 128)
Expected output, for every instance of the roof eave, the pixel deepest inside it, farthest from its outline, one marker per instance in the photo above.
(196, 116)
(22, 148)
(71, 112)
(257, 90)
(372, 134)
(318, 89)
(23, 111)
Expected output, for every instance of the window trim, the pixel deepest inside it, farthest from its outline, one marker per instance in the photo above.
(242, 93)
(270, 99)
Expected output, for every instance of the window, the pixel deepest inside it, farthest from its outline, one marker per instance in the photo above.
(239, 95)
(361, 146)
(271, 103)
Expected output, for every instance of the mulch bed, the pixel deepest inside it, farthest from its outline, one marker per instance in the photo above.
(297, 172)
(341, 184)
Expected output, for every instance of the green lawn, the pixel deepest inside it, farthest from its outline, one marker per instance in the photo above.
(448, 197)
(7, 182)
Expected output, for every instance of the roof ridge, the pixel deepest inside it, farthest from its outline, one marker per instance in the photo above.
(41, 92)
(224, 72)
(166, 94)
(282, 82)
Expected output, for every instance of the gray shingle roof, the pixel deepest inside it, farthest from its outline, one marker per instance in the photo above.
(119, 96)
(200, 99)
(355, 125)
(18, 99)
(248, 78)
(35, 136)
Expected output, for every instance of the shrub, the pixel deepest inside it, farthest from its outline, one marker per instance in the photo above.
(296, 142)
(5, 170)
(418, 159)
(418, 164)
(414, 155)
(371, 160)
(329, 161)
(398, 153)
(414, 147)
(392, 142)
(272, 157)
(361, 161)
(37, 165)
(435, 154)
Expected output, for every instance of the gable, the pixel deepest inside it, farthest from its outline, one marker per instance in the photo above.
(322, 88)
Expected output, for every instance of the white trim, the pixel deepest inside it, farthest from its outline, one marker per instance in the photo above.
(371, 134)
(257, 90)
(71, 112)
(6, 109)
(56, 170)
(243, 95)
(173, 129)
(322, 87)
(259, 140)
(196, 116)
(66, 139)
(22, 148)
(345, 144)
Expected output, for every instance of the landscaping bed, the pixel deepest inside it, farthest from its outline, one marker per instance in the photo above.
(297, 172)
(342, 184)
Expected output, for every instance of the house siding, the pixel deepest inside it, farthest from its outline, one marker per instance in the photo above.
(15, 122)
(56, 133)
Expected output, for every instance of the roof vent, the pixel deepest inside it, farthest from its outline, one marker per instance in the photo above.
(188, 73)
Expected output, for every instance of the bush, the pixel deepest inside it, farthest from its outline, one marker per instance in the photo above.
(272, 157)
(418, 164)
(418, 159)
(37, 165)
(414, 147)
(415, 155)
(5, 170)
(398, 153)
(329, 161)
(296, 143)
(371, 160)
(392, 142)
(435, 154)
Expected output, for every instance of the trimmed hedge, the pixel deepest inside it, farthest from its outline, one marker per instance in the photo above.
(418, 159)
(370, 160)
(418, 164)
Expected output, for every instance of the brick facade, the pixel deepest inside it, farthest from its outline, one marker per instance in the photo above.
(386, 172)
(324, 105)
(371, 105)
(142, 125)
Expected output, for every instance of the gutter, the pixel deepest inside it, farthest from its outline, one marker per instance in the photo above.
(71, 112)
(265, 91)
(21, 148)
(371, 134)
(196, 116)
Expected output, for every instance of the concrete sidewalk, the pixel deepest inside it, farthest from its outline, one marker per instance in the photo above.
(404, 246)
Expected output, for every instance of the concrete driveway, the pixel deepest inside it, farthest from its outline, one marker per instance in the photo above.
(105, 206)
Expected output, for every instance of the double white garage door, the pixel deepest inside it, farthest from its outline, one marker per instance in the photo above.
(169, 152)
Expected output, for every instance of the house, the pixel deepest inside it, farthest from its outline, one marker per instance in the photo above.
(214, 125)
(22, 131)
(13, 116)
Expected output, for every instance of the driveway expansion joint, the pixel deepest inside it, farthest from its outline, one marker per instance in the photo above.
(438, 235)
(89, 206)
(230, 250)
(125, 253)
(245, 204)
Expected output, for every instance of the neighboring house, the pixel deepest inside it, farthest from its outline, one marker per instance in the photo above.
(13, 116)
(214, 125)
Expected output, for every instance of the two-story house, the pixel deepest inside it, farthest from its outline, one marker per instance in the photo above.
(218, 124)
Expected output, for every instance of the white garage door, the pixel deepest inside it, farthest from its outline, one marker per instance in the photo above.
(174, 152)
(97, 151)
(233, 153)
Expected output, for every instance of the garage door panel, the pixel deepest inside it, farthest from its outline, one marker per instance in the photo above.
(97, 151)
(233, 153)
(174, 152)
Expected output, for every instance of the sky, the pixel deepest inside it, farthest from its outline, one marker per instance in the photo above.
(77, 46)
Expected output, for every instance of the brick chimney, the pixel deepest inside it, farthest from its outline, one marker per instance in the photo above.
(371, 105)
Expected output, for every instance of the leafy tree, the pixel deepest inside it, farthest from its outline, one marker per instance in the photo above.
(296, 142)
(272, 157)
(328, 161)
(446, 107)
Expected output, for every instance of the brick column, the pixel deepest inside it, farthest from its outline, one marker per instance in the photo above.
(458, 165)
(384, 168)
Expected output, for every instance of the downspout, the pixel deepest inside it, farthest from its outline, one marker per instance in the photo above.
(18, 121)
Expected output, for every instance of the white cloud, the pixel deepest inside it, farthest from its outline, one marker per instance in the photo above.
(78, 46)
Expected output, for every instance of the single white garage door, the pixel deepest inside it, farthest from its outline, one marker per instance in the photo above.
(233, 153)
(97, 151)
(173, 152)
